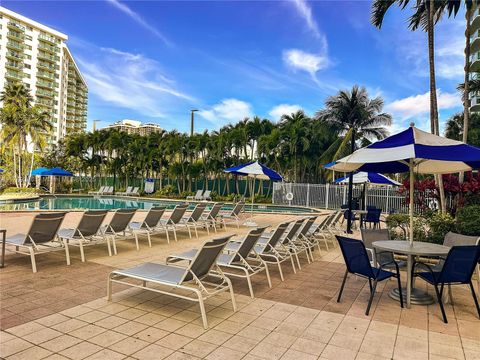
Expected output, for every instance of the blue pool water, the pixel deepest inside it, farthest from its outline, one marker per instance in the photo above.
(112, 202)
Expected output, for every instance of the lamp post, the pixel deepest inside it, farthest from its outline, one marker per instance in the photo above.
(192, 119)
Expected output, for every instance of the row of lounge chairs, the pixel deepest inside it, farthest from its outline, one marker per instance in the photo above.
(200, 195)
(108, 190)
(45, 233)
(206, 271)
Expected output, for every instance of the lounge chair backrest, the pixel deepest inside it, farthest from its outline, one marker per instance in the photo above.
(355, 256)
(101, 189)
(453, 239)
(108, 189)
(121, 219)
(135, 190)
(198, 195)
(197, 212)
(277, 234)
(178, 213)
(206, 258)
(460, 264)
(153, 217)
(237, 209)
(329, 220)
(206, 194)
(129, 189)
(249, 242)
(90, 222)
(44, 228)
(215, 210)
(307, 225)
(292, 233)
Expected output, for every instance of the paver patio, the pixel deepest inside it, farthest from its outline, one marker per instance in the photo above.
(61, 312)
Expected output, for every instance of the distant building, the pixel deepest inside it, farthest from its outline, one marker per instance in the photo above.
(38, 56)
(475, 55)
(135, 127)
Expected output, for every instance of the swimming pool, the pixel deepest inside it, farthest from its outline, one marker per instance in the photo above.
(115, 202)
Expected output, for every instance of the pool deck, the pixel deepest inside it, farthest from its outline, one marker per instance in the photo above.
(61, 312)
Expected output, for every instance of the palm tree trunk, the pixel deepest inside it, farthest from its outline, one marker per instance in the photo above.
(433, 94)
(466, 92)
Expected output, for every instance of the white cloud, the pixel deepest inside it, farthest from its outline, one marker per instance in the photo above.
(305, 11)
(227, 111)
(138, 19)
(131, 81)
(279, 110)
(300, 60)
(417, 105)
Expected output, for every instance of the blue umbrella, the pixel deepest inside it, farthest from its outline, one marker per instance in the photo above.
(1, 171)
(56, 172)
(39, 171)
(412, 150)
(369, 178)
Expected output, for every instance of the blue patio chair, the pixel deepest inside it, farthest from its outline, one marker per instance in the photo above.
(458, 269)
(372, 217)
(358, 263)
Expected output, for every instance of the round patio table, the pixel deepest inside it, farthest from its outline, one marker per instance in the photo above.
(418, 248)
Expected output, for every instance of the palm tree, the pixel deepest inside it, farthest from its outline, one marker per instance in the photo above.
(23, 125)
(454, 128)
(354, 115)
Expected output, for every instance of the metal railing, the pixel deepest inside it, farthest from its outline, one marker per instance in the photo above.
(333, 196)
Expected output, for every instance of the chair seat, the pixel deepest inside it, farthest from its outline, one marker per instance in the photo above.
(429, 277)
(187, 255)
(66, 233)
(17, 239)
(383, 274)
(232, 246)
(225, 259)
(155, 272)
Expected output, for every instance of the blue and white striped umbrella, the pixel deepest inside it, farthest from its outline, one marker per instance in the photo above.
(368, 178)
(412, 150)
(256, 170)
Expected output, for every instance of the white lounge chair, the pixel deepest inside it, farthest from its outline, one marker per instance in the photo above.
(172, 222)
(197, 196)
(149, 226)
(235, 215)
(193, 220)
(99, 191)
(134, 192)
(126, 192)
(197, 282)
(117, 228)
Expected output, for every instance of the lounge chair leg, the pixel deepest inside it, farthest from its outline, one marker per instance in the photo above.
(249, 282)
(189, 232)
(474, 298)
(196, 232)
(208, 229)
(67, 252)
(149, 240)
(136, 241)
(440, 302)
(298, 261)
(32, 257)
(202, 310)
(267, 272)
(109, 247)
(232, 295)
(144, 283)
(293, 264)
(82, 253)
(280, 270)
(114, 243)
(372, 294)
(343, 285)
(109, 287)
(168, 236)
(175, 234)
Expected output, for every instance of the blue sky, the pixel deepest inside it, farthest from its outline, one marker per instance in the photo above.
(155, 60)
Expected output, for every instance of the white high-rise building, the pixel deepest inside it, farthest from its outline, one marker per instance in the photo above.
(475, 54)
(39, 57)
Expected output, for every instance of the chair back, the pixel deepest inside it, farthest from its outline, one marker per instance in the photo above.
(460, 264)
(197, 212)
(206, 258)
(249, 242)
(44, 228)
(153, 217)
(238, 208)
(453, 239)
(135, 190)
(292, 233)
(371, 207)
(120, 220)
(307, 225)
(369, 236)
(90, 222)
(215, 210)
(102, 189)
(355, 256)
(178, 213)
(373, 215)
(277, 234)
(206, 194)
(129, 189)
(198, 195)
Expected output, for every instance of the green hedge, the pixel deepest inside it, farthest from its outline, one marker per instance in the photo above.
(468, 220)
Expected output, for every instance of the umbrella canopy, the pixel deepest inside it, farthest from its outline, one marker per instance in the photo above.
(56, 172)
(412, 150)
(369, 178)
(1, 171)
(39, 171)
(427, 153)
(256, 170)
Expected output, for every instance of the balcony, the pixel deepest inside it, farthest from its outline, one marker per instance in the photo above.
(14, 75)
(46, 75)
(15, 36)
(14, 55)
(46, 66)
(46, 84)
(49, 39)
(48, 48)
(14, 65)
(45, 93)
(15, 26)
(47, 57)
(44, 102)
(15, 45)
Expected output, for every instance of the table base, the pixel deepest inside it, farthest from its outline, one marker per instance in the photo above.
(418, 297)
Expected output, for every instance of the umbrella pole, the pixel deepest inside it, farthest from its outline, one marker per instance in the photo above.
(411, 201)
(253, 194)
